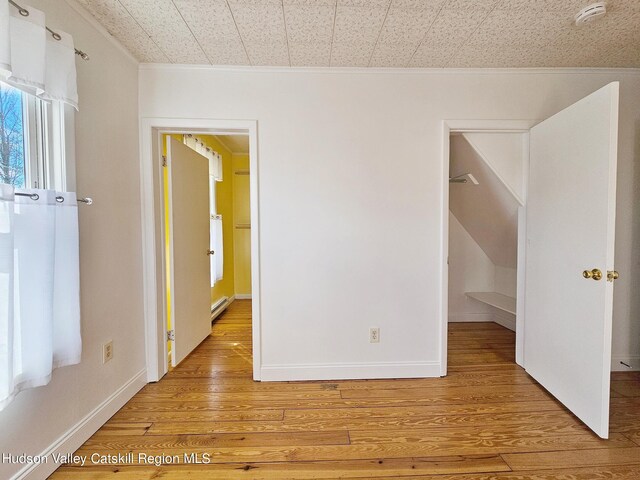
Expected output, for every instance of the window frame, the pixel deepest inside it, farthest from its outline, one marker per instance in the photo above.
(48, 143)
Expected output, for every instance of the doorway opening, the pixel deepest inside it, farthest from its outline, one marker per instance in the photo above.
(486, 197)
(193, 182)
(565, 340)
(225, 234)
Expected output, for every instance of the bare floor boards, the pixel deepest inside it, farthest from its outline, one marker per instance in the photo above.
(488, 420)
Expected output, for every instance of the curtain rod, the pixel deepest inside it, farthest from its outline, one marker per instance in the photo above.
(59, 199)
(25, 13)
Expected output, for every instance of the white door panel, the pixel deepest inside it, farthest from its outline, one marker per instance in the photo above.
(189, 220)
(570, 228)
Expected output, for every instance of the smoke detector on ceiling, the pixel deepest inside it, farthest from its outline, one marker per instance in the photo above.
(591, 13)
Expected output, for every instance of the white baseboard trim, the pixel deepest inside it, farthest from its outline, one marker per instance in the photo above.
(470, 317)
(632, 360)
(349, 371)
(242, 296)
(73, 438)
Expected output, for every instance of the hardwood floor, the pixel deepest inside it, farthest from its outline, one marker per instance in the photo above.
(486, 420)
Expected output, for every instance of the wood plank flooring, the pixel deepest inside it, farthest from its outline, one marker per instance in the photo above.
(487, 420)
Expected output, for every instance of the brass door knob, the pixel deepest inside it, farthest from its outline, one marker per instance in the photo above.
(594, 274)
(612, 275)
(210, 252)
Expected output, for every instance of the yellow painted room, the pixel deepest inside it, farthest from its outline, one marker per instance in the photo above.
(319, 239)
(231, 278)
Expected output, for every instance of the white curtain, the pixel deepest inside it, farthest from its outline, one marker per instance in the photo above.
(5, 41)
(215, 227)
(39, 288)
(32, 60)
(217, 263)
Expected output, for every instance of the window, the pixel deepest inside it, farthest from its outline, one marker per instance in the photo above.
(13, 168)
(34, 147)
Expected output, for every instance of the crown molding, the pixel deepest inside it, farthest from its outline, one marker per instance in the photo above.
(90, 19)
(395, 71)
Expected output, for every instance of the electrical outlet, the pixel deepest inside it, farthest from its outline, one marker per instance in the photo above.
(107, 351)
(374, 335)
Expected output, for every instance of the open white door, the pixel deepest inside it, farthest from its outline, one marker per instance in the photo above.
(189, 246)
(570, 230)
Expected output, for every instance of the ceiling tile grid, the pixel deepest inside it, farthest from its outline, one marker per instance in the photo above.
(119, 23)
(373, 33)
(162, 21)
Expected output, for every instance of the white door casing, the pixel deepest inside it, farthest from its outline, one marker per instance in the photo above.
(570, 227)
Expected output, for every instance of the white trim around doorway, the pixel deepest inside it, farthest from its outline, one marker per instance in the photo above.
(155, 314)
(480, 126)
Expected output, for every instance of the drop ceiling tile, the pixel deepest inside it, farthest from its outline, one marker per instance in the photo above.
(351, 54)
(404, 25)
(395, 55)
(518, 56)
(617, 27)
(418, 4)
(471, 4)
(358, 25)
(230, 53)
(163, 23)
(255, 2)
(624, 5)
(310, 54)
(311, 3)
(431, 57)
(269, 54)
(259, 23)
(119, 23)
(516, 33)
(453, 27)
(519, 26)
(307, 24)
(566, 6)
(210, 22)
(364, 3)
(622, 56)
(508, 57)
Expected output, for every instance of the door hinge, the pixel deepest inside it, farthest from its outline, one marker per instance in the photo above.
(171, 335)
(164, 160)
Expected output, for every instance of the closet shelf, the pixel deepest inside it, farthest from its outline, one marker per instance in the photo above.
(497, 300)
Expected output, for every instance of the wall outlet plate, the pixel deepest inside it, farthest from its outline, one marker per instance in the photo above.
(107, 351)
(374, 335)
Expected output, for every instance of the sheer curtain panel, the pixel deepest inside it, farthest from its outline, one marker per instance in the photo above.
(215, 224)
(39, 287)
(5, 41)
(34, 60)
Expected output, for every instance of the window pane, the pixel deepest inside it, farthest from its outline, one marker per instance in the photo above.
(12, 157)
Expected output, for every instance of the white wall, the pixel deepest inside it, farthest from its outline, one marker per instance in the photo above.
(470, 270)
(110, 264)
(488, 210)
(506, 281)
(347, 240)
(504, 154)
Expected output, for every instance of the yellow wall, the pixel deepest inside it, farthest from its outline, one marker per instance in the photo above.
(167, 256)
(232, 199)
(242, 217)
(224, 202)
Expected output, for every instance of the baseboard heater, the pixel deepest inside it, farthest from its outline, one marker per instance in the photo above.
(219, 307)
